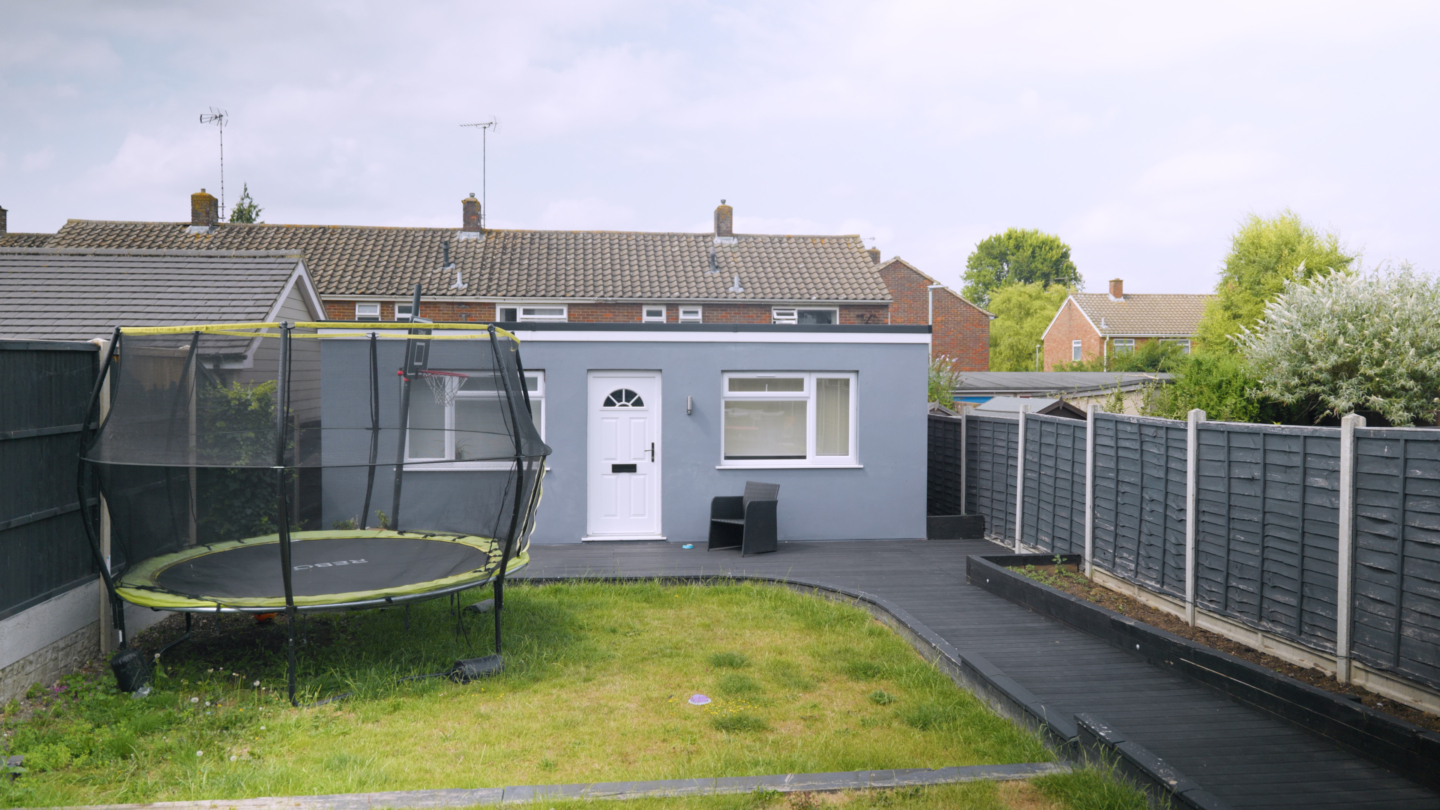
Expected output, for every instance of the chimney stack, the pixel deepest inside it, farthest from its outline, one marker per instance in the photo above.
(874, 255)
(1117, 289)
(470, 217)
(3, 212)
(204, 212)
(724, 221)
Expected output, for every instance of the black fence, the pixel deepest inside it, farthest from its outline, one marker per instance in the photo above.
(1269, 527)
(43, 549)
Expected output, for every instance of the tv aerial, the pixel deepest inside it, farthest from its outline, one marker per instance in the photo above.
(493, 123)
(219, 118)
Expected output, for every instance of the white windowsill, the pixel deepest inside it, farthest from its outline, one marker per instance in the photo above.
(790, 467)
(482, 466)
(592, 538)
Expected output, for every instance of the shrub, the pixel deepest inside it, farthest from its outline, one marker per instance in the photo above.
(1352, 341)
(943, 380)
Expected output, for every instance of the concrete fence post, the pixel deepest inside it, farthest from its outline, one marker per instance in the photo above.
(1090, 411)
(1345, 561)
(1020, 478)
(1192, 518)
(964, 461)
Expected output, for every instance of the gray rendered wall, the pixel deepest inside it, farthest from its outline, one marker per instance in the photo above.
(1054, 484)
(992, 449)
(885, 499)
(1266, 544)
(1140, 500)
(1397, 551)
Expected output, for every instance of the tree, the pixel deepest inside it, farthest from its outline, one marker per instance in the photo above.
(1022, 312)
(944, 378)
(1352, 341)
(1264, 255)
(246, 210)
(1018, 256)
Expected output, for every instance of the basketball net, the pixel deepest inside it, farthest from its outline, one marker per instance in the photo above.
(444, 385)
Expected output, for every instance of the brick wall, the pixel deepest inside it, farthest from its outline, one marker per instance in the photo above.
(960, 330)
(446, 312)
(1071, 325)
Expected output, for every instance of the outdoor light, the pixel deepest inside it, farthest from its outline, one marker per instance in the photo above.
(689, 405)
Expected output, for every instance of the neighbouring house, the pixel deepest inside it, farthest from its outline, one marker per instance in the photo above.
(84, 293)
(471, 274)
(1077, 388)
(960, 329)
(1095, 326)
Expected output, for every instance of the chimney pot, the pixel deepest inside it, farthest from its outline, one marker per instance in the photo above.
(1117, 289)
(204, 210)
(874, 255)
(470, 219)
(724, 220)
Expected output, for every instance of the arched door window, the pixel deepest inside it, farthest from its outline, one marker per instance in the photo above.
(623, 398)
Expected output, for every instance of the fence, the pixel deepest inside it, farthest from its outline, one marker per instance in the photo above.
(43, 549)
(1327, 538)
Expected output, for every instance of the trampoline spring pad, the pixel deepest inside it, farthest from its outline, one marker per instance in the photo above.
(328, 568)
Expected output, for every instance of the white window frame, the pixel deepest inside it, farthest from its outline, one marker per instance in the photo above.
(1183, 343)
(791, 315)
(406, 306)
(522, 315)
(372, 312)
(811, 460)
(448, 462)
(1076, 348)
(692, 314)
(1123, 345)
(646, 315)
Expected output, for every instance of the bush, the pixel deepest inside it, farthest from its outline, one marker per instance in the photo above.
(1352, 341)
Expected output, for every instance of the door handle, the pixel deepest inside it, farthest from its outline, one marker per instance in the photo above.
(652, 452)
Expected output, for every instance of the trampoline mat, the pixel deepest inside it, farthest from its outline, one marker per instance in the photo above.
(347, 565)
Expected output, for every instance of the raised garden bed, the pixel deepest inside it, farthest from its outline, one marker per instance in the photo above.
(1382, 738)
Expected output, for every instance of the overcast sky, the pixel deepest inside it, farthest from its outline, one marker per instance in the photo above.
(1139, 133)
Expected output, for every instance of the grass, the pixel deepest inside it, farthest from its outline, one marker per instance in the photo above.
(596, 688)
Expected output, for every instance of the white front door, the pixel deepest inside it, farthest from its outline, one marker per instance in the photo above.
(623, 466)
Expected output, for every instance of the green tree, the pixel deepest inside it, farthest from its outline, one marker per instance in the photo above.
(1264, 255)
(1352, 341)
(1018, 256)
(944, 378)
(246, 211)
(1022, 312)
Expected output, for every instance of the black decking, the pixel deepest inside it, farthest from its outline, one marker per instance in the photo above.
(1244, 757)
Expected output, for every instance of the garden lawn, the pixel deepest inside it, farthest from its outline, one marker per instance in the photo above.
(596, 688)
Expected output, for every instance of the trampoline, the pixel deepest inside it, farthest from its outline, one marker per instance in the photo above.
(262, 467)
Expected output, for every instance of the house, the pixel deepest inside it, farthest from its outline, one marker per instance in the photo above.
(470, 274)
(1094, 326)
(84, 293)
(960, 329)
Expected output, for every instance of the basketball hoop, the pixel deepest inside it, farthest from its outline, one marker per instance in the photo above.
(444, 385)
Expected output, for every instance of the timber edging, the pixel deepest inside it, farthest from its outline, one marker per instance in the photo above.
(1387, 741)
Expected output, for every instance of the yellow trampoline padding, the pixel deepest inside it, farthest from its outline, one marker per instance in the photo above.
(139, 585)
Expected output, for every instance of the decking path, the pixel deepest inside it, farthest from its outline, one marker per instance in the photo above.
(1244, 757)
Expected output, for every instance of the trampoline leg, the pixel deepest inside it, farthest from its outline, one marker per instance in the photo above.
(290, 670)
(407, 618)
(499, 599)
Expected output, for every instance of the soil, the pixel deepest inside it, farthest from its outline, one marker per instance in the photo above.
(1068, 579)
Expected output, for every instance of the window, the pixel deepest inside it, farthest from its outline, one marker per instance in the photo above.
(1123, 345)
(367, 312)
(805, 316)
(1075, 350)
(402, 312)
(470, 427)
(1184, 344)
(653, 313)
(789, 419)
(534, 312)
(690, 315)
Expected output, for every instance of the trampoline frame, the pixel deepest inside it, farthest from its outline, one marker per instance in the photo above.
(522, 510)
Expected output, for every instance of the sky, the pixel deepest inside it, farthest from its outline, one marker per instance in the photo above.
(1141, 134)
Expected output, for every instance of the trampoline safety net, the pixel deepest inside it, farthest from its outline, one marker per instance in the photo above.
(313, 466)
